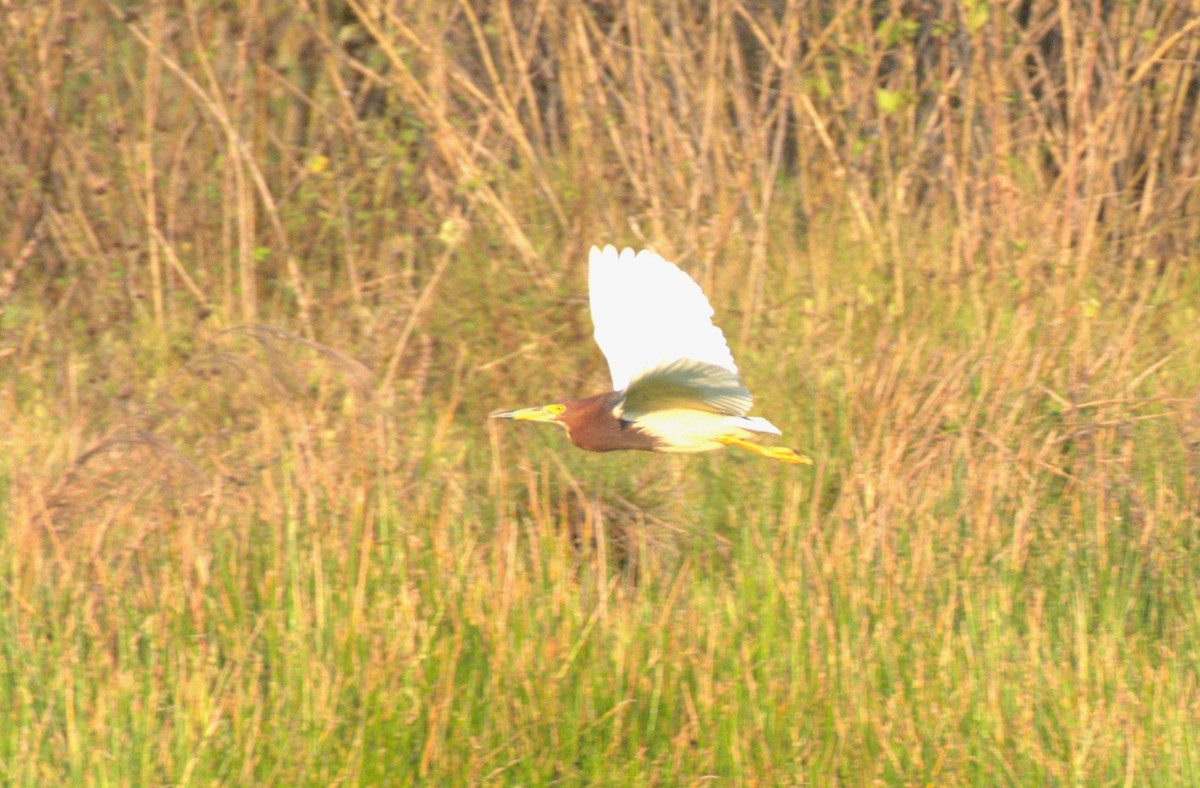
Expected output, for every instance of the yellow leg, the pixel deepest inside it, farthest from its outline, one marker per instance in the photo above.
(781, 453)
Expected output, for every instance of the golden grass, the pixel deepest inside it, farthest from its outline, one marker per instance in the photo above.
(268, 267)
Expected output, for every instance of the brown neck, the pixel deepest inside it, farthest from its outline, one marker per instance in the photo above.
(591, 425)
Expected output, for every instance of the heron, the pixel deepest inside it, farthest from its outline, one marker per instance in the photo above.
(675, 387)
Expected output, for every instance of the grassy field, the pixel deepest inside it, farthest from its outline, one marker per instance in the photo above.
(267, 267)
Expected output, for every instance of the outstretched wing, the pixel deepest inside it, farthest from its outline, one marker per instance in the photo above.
(648, 313)
(686, 384)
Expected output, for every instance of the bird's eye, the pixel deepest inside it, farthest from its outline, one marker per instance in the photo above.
(557, 410)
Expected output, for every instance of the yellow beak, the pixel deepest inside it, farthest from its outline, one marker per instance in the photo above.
(540, 413)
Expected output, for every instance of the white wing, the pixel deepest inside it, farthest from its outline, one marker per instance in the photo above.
(648, 314)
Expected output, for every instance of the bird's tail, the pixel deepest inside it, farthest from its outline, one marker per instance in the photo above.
(757, 424)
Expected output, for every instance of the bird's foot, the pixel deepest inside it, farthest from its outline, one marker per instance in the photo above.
(784, 454)
(781, 453)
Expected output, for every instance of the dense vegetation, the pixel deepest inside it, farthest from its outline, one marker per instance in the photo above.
(267, 266)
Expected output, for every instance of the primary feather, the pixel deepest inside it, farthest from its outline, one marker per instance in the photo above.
(648, 314)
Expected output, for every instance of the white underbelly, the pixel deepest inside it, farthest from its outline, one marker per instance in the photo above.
(687, 431)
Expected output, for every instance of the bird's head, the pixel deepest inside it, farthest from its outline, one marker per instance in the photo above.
(591, 422)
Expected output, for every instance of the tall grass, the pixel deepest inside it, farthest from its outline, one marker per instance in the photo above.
(268, 266)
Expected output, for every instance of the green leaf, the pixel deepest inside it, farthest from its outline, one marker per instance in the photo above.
(978, 13)
(889, 100)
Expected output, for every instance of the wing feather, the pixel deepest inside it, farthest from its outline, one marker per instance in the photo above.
(686, 384)
(648, 313)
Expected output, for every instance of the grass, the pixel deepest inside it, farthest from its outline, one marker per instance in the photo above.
(269, 267)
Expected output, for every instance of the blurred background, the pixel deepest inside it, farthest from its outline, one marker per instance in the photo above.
(266, 267)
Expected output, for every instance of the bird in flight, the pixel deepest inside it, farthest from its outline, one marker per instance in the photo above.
(675, 387)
